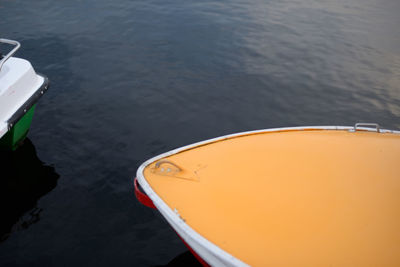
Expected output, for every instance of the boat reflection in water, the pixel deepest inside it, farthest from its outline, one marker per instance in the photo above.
(24, 179)
(184, 259)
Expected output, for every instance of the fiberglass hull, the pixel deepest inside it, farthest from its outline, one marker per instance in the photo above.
(295, 196)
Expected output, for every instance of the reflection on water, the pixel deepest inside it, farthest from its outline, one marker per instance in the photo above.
(24, 180)
(132, 79)
(184, 259)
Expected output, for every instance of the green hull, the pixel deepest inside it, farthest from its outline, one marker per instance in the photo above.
(16, 135)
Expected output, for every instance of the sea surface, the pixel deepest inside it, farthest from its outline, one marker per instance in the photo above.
(133, 79)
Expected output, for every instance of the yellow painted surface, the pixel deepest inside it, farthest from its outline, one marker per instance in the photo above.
(299, 198)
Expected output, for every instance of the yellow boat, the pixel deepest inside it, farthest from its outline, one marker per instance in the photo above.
(304, 196)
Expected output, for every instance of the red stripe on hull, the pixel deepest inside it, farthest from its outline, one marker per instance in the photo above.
(142, 197)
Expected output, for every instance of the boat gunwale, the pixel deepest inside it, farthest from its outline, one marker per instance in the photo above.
(210, 252)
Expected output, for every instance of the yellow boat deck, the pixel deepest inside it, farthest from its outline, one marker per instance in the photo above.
(295, 198)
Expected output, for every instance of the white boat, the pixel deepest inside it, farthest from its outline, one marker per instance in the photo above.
(20, 89)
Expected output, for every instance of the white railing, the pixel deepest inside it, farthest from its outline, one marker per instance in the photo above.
(11, 53)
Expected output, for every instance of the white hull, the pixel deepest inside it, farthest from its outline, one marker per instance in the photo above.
(20, 88)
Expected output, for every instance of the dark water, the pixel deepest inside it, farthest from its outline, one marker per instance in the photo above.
(132, 79)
